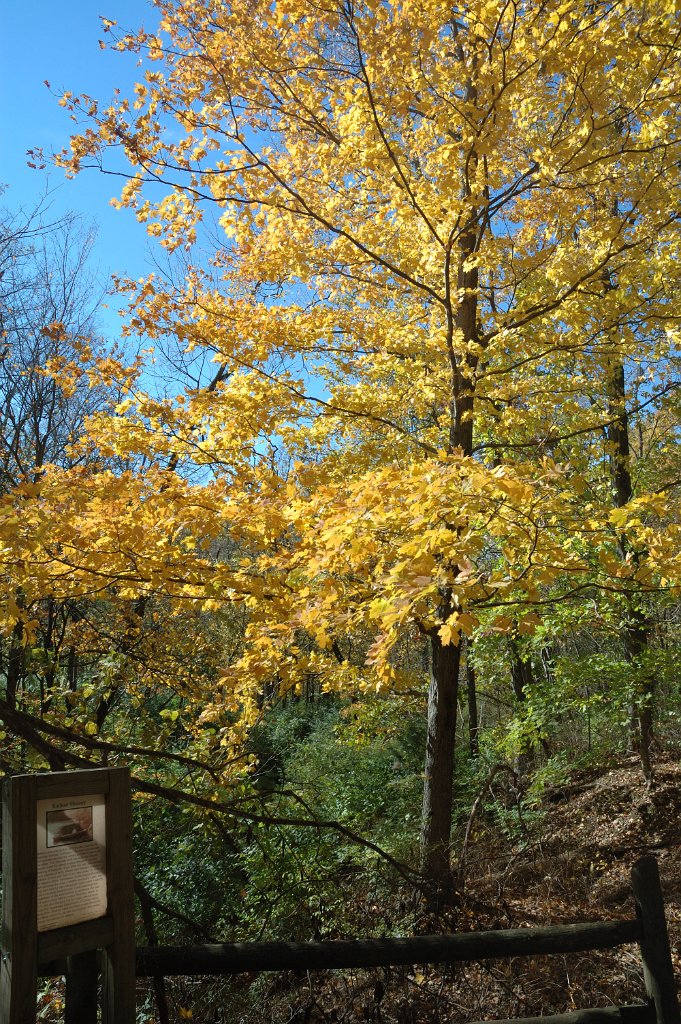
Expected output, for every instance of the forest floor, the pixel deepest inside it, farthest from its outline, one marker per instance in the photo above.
(568, 860)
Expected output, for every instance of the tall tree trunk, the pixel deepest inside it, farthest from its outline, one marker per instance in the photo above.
(521, 681)
(472, 694)
(445, 661)
(15, 664)
(443, 696)
(635, 636)
(461, 280)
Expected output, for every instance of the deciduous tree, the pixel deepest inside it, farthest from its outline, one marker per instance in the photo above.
(418, 205)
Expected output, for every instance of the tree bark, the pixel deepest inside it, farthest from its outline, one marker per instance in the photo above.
(439, 768)
(445, 661)
(461, 286)
(521, 680)
(635, 635)
(472, 694)
(15, 664)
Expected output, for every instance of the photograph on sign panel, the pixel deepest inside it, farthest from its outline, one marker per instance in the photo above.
(73, 825)
(71, 855)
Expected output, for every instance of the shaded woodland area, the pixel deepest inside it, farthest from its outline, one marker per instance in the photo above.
(360, 545)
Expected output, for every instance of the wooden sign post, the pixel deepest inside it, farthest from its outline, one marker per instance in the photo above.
(68, 891)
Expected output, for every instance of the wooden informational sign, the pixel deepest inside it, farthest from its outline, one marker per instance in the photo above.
(71, 835)
(67, 887)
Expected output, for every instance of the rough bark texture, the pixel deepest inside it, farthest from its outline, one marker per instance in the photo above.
(445, 661)
(635, 627)
(15, 664)
(472, 695)
(439, 768)
(463, 341)
(521, 681)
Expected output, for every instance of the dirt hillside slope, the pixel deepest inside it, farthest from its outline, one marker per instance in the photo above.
(568, 861)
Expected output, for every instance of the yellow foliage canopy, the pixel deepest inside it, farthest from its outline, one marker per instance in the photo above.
(441, 229)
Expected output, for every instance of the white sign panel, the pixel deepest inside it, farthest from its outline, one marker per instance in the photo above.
(71, 860)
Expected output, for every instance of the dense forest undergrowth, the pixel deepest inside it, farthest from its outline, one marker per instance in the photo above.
(563, 857)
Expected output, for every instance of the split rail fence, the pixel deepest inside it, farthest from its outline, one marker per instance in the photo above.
(649, 930)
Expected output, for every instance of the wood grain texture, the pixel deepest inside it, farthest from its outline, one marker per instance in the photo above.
(18, 974)
(118, 961)
(71, 784)
(75, 938)
(229, 958)
(81, 989)
(658, 973)
(643, 1014)
(70, 949)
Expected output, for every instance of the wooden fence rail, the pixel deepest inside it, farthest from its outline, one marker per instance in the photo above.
(643, 1013)
(243, 957)
(648, 930)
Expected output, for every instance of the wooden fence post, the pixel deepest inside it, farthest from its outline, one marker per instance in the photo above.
(81, 988)
(118, 958)
(18, 972)
(658, 973)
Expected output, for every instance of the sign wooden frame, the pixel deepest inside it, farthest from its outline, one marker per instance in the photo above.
(24, 949)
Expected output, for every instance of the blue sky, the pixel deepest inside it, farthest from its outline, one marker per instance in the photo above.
(40, 39)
